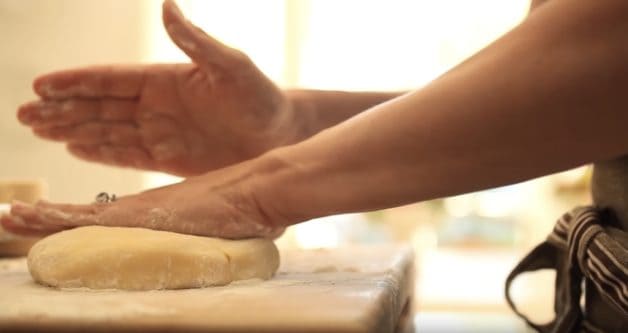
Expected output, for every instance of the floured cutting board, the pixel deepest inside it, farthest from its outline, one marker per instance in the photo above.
(357, 289)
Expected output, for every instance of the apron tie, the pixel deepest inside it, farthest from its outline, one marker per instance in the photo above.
(579, 247)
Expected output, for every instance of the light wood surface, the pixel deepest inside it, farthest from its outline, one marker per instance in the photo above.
(357, 289)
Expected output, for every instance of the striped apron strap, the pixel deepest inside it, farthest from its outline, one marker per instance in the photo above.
(545, 255)
(588, 251)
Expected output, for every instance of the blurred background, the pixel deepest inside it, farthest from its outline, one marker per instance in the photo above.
(465, 245)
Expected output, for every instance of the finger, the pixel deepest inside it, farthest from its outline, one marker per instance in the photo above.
(55, 215)
(276, 233)
(123, 156)
(20, 222)
(106, 214)
(118, 133)
(157, 127)
(74, 111)
(203, 49)
(8, 224)
(86, 209)
(124, 81)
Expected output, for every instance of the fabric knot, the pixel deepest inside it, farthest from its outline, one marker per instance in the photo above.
(582, 245)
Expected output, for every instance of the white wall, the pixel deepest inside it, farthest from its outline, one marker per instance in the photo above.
(38, 36)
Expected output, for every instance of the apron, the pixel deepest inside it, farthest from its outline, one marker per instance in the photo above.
(588, 248)
(585, 250)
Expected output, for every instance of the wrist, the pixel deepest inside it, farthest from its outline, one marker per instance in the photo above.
(301, 115)
(274, 188)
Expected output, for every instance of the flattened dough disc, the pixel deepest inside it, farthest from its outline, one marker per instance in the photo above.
(100, 257)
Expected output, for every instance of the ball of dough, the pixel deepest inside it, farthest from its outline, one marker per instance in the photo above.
(100, 257)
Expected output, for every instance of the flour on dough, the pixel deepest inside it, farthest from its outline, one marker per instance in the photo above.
(100, 257)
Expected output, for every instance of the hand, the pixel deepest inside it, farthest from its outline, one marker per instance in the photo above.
(183, 119)
(219, 204)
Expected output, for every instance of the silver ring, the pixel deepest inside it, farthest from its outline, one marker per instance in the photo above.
(104, 197)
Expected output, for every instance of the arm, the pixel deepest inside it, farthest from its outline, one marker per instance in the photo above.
(548, 96)
(319, 109)
(323, 109)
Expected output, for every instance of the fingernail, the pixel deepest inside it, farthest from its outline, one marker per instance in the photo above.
(19, 204)
(18, 220)
(175, 9)
(25, 117)
(46, 112)
(46, 89)
(11, 221)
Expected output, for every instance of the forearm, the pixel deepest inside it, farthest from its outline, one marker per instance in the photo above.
(548, 96)
(320, 109)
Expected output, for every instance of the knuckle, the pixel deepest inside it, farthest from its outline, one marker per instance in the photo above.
(238, 58)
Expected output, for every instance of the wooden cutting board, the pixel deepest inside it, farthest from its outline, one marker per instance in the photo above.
(356, 289)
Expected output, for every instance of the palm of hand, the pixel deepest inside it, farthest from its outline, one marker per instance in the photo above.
(184, 119)
(190, 122)
(195, 122)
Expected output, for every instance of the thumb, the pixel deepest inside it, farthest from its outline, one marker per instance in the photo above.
(203, 49)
